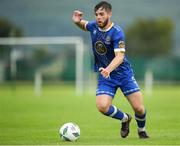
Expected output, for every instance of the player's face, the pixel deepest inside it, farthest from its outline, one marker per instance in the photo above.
(102, 17)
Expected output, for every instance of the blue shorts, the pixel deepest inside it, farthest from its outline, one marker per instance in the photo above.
(109, 86)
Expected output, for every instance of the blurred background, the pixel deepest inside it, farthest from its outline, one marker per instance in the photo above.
(45, 61)
(152, 45)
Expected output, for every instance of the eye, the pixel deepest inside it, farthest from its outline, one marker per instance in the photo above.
(101, 14)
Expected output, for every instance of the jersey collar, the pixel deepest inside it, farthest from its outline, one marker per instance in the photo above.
(105, 30)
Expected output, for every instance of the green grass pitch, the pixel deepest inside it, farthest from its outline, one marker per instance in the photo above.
(27, 119)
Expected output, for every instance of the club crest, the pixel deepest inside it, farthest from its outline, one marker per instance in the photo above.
(100, 48)
(121, 44)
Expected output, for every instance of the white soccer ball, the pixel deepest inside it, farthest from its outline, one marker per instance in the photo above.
(69, 132)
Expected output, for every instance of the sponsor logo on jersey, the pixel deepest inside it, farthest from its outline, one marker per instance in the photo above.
(100, 48)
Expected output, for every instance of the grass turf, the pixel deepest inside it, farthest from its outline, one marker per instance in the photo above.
(27, 119)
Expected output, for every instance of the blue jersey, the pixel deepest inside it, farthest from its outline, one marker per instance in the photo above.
(104, 45)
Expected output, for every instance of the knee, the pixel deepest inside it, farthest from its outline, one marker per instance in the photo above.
(139, 110)
(102, 107)
(103, 103)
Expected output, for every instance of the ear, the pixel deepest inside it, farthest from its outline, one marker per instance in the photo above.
(110, 13)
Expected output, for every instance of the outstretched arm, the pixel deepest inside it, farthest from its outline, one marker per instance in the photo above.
(77, 19)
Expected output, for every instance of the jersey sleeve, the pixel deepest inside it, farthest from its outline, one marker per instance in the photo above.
(89, 25)
(119, 42)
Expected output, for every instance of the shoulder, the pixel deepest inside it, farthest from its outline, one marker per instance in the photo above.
(91, 24)
(118, 32)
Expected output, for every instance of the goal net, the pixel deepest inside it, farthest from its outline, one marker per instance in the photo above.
(44, 58)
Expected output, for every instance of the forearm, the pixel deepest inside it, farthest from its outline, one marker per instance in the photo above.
(82, 24)
(118, 59)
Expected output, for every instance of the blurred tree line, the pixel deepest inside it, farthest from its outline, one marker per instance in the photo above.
(150, 45)
(150, 38)
(8, 29)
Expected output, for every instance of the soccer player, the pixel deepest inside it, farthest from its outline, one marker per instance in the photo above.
(114, 70)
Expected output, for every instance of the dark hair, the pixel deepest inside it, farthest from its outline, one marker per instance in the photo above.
(104, 4)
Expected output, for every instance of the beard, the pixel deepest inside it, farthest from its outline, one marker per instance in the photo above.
(104, 24)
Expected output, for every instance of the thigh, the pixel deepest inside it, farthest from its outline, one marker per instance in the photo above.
(133, 94)
(135, 99)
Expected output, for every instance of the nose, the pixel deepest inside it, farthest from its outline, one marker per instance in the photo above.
(98, 17)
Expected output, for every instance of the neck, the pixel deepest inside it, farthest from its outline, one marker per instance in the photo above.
(107, 27)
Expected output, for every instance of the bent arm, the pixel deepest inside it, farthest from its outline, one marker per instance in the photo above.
(77, 19)
(82, 24)
(118, 59)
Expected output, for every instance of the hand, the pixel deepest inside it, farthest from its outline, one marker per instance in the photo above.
(77, 16)
(105, 72)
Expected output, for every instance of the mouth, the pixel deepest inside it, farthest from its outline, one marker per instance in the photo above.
(99, 22)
